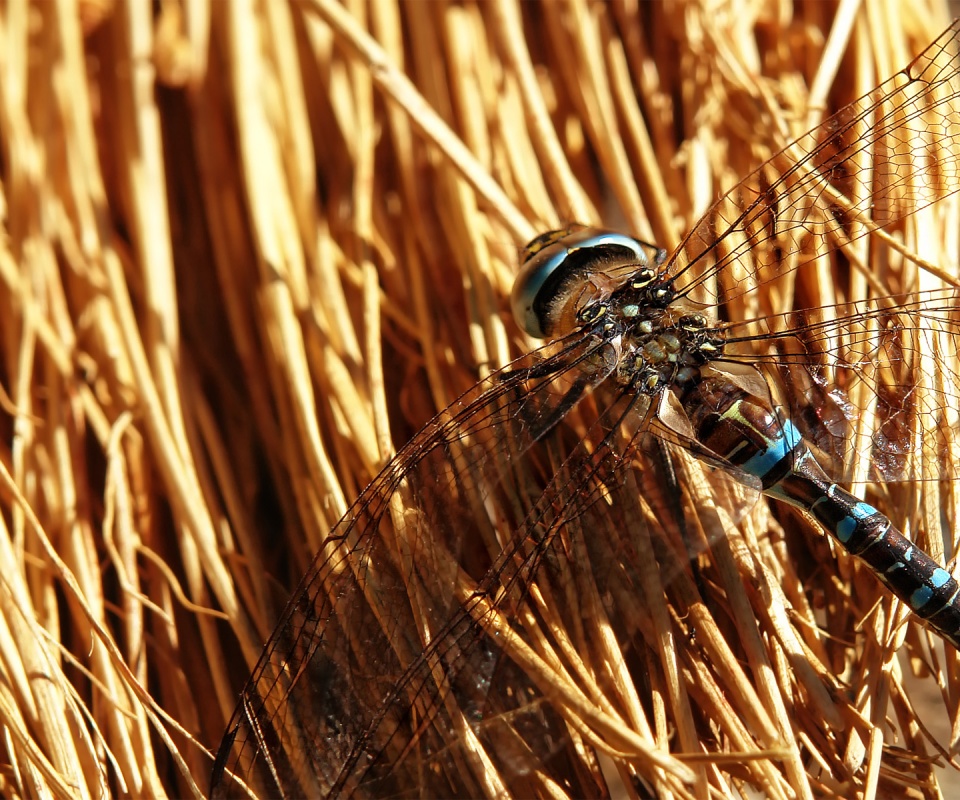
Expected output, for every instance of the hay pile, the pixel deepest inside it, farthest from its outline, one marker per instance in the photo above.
(248, 250)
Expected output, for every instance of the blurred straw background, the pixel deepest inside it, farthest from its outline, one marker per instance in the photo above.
(249, 248)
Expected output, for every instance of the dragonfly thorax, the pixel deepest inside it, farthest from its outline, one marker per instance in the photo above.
(604, 285)
(663, 348)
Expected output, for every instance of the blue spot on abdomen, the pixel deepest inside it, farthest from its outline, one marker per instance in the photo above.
(920, 597)
(847, 526)
(778, 448)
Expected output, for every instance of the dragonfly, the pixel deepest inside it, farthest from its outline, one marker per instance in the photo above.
(406, 662)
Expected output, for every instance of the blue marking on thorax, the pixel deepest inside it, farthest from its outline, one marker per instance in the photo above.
(848, 525)
(778, 448)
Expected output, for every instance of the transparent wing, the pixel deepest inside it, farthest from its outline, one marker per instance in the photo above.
(383, 672)
(877, 161)
(474, 581)
(872, 385)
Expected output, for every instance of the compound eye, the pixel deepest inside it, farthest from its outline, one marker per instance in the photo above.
(545, 259)
(545, 239)
(556, 266)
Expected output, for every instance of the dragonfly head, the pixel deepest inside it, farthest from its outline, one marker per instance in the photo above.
(565, 271)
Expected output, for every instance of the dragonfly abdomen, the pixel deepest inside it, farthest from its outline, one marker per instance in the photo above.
(741, 428)
(918, 580)
(745, 431)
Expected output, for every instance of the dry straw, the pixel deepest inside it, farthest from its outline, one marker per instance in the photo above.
(250, 248)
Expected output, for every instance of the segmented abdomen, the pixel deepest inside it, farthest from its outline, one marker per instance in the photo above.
(745, 431)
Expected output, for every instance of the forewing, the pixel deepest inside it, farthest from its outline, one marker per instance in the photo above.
(376, 667)
(880, 159)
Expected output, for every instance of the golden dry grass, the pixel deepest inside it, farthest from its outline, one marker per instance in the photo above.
(247, 252)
